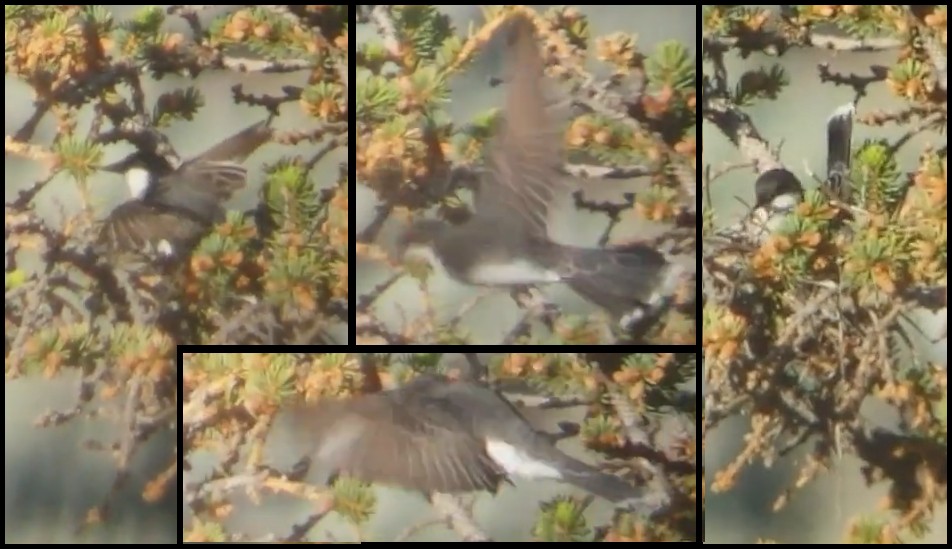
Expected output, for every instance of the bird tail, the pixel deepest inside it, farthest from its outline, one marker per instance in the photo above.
(616, 279)
(606, 486)
(839, 133)
(592, 480)
(635, 283)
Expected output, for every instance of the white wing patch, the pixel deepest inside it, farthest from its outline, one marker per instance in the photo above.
(518, 463)
(138, 181)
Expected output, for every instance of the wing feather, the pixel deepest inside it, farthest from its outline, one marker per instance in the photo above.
(381, 439)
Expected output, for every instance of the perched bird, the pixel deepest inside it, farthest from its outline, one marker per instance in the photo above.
(172, 208)
(436, 435)
(779, 191)
(505, 243)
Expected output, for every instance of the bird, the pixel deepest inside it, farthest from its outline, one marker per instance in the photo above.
(171, 207)
(778, 191)
(433, 434)
(505, 243)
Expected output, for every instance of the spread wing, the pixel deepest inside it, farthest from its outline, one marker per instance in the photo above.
(137, 226)
(217, 170)
(379, 439)
(239, 146)
(525, 155)
(195, 180)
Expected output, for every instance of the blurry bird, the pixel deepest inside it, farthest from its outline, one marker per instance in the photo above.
(779, 191)
(173, 207)
(506, 243)
(435, 435)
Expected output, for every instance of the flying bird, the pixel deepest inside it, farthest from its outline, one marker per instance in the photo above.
(505, 243)
(436, 435)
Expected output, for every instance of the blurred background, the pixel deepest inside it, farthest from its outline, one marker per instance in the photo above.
(471, 94)
(796, 121)
(51, 478)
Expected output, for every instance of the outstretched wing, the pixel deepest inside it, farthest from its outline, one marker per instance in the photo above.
(525, 155)
(379, 439)
(218, 169)
(140, 227)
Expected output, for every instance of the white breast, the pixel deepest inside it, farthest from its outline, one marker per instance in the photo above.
(490, 274)
(512, 273)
